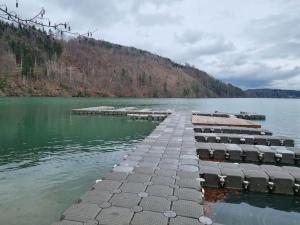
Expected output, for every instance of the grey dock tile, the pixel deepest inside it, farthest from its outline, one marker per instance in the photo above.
(180, 220)
(258, 180)
(155, 204)
(283, 182)
(145, 170)
(133, 187)
(107, 185)
(234, 151)
(250, 153)
(189, 183)
(166, 172)
(96, 197)
(211, 176)
(148, 164)
(188, 194)
(187, 175)
(188, 168)
(234, 178)
(228, 165)
(115, 216)
(159, 190)
(168, 166)
(127, 200)
(163, 180)
(187, 208)
(118, 176)
(248, 166)
(82, 212)
(138, 178)
(270, 168)
(66, 222)
(149, 218)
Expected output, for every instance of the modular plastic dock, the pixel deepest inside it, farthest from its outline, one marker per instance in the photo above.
(241, 115)
(157, 183)
(249, 153)
(160, 181)
(250, 177)
(232, 130)
(244, 139)
(112, 111)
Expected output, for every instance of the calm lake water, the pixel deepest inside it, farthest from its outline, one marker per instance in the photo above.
(49, 157)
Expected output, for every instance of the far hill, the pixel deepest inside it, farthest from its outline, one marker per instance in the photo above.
(35, 63)
(272, 93)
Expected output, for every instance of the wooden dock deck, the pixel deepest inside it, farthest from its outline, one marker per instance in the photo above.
(223, 121)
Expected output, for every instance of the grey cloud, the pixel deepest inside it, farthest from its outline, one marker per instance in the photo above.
(281, 50)
(153, 19)
(195, 44)
(90, 12)
(189, 37)
(137, 4)
(275, 28)
(260, 75)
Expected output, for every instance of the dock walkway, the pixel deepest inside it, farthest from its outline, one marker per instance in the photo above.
(157, 183)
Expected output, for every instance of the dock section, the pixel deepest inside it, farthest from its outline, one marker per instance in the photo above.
(112, 111)
(231, 130)
(223, 121)
(238, 156)
(157, 183)
(251, 177)
(241, 115)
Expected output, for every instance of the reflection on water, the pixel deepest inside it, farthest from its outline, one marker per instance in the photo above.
(256, 208)
(49, 157)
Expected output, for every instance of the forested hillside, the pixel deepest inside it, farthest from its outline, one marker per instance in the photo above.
(35, 63)
(272, 93)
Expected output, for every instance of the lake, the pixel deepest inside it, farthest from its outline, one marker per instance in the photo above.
(49, 157)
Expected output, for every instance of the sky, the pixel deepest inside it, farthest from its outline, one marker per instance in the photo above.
(249, 43)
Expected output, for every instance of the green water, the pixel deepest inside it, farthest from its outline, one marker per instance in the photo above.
(49, 157)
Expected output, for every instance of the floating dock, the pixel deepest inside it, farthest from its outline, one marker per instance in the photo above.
(241, 115)
(231, 130)
(244, 139)
(160, 181)
(112, 111)
(223, 121)
(250, 177)
(249, 153)
(157, 183)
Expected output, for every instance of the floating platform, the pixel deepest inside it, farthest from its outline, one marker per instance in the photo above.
(160, 181)
(241, 115)
(231, 130)
(223, 121)
(249, 153)
(157, 183)
(151, 117)
(249, 177)
(112, 111)
(250, 116)
(244, 139)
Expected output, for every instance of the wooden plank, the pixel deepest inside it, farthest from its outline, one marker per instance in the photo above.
(223, 121)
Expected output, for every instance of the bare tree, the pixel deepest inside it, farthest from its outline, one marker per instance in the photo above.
(39, 21)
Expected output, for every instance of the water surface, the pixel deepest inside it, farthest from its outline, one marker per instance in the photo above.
(49, 157)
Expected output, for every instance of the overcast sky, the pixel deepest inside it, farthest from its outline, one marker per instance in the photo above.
(250, 43)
